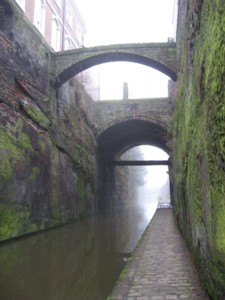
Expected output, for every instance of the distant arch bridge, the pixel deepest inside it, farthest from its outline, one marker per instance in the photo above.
(160, 56)
(123, 124)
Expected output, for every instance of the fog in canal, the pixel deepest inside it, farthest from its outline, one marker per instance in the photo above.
(81, 260)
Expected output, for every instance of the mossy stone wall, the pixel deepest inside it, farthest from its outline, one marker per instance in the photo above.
(47, 136)
(199, 136)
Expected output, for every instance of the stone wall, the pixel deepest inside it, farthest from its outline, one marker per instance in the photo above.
(199, 137)
(109, 113)
(47, 136)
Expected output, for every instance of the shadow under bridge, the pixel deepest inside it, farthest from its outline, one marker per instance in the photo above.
(128, 130)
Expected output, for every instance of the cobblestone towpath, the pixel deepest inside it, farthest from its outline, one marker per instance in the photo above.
(161, 267)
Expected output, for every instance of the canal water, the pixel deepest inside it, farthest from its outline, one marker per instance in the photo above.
(77, 261)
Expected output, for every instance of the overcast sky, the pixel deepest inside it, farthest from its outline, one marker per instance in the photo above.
(127, 21)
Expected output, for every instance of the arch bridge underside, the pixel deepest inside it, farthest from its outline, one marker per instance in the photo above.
(117, 134)
(160, 56)
(124, 124)
(116, 140)
(126, 134)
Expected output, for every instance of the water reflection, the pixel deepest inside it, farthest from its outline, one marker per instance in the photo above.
(77, 261)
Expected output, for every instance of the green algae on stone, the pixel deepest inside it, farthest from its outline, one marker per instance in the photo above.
(37, 116)
(14, 222)
(199, 141)
(12, 149)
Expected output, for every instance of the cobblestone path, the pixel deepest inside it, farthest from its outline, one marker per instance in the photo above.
(161, 267)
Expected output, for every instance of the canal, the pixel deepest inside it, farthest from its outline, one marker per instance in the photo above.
(77, 261)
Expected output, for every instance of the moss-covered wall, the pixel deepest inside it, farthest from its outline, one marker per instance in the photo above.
(199, 136)
(47, 136)
(74, 133)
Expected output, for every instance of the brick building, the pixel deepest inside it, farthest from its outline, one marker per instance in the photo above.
(59, 21)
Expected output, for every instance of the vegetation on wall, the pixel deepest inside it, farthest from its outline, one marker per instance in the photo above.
(15, 147)
(199, 139)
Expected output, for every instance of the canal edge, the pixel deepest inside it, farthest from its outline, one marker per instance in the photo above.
(133, 259)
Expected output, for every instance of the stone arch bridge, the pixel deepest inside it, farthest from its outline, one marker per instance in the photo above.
(127, 123)
(123, 124)
(160, 56)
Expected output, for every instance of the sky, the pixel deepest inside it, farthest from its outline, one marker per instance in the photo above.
(127, 21)
(130, 21)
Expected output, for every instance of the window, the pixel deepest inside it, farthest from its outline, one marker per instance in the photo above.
(39, 15)
(55, 38)
(69, 15)
(21, 4)
(68, 43)
(58, 2)
(79, 35)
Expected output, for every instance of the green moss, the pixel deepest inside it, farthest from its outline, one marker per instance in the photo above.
(5, 167)
(199, 141)
(123, 273)
(37, 116)
(14, 141)
(9, 144)
(55, 203)
(14, 222)
(12, 149)
(34, 173)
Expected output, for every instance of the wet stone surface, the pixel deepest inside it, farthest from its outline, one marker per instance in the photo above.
(161, 267)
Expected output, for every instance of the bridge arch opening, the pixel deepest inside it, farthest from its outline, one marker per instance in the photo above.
(150, 184)
(119, 138)
(107, 81)
(98, 59)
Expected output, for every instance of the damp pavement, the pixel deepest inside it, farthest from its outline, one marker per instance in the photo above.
(161, 267)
